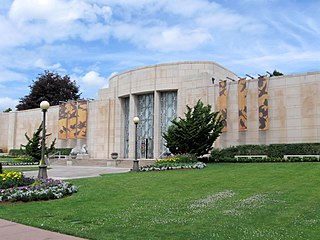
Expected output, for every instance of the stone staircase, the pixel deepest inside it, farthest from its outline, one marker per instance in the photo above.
(122, 163)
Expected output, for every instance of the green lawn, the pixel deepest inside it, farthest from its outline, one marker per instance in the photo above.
(21, 169)
(223, 201)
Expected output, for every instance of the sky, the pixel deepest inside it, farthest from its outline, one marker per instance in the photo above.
(91, 40)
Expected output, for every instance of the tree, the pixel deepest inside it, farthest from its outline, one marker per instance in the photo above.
(196, 133)
(7, 110)
(33, 147)
(51, 87)
(277, 73)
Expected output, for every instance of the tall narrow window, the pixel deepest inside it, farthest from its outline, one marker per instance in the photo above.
(145, 126)
(126, 127)
(168, 112)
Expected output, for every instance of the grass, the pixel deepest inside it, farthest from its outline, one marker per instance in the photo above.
(21, 169)
(223, 201)
(7, 159)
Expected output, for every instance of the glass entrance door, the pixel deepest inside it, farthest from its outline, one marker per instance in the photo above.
(126, 122)
(145, 126)
(168, 112)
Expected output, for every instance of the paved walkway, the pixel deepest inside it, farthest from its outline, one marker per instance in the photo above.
(71, 172)
(14, 231)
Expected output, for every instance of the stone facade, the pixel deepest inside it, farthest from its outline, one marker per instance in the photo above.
(294, 112)
(294, 109)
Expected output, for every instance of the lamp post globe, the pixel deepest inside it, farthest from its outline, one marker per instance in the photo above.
(136, 120)
(44, 105)
(135, 167)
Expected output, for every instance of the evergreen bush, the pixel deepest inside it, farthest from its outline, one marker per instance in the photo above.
(196, 133)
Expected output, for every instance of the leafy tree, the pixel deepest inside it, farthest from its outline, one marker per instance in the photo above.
(7, 110)
(33, 147)
(51, 87)
(196, 133)
(277, 73)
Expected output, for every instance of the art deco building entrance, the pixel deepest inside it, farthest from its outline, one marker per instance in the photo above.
(145, 126)
(168, 112)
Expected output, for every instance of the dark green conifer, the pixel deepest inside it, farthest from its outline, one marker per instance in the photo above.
(196, 133)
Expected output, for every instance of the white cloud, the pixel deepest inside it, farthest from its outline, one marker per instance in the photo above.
(38, 21)
(176, 39)
(106, 85)
(91, 78)
(8, 103)
(41, 63)
(56, 11)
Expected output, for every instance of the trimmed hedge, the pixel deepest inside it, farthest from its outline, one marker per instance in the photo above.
(266, 160)
(273, 151)
(16, 152)
(63, 151)
(19, 152)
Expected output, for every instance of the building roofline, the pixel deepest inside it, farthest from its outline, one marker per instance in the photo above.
(171, 63)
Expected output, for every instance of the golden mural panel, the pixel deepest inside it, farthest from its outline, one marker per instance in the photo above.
(72, 119)
(63, 121)
(263, 103)
(82, 119)
(242, 104)
(223, 102)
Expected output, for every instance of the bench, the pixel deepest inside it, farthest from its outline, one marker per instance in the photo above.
(250, 156)
(300, 156)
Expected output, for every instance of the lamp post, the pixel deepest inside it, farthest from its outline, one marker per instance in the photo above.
(44, 105)
(135, 167)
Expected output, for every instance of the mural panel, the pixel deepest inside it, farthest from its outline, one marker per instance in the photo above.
(223, 102)
(72, 119)
(63, 121)
(242, 104)
(263, 103)
(82, 119)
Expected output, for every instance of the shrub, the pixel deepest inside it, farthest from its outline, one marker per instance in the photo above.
(63, 151)
(16, 152)
(33, 147)
(196, 133)
(9, 179)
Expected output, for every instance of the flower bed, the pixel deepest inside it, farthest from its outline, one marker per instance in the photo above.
(19, 163)
(175, 163)
(32, 189)
(169, 166)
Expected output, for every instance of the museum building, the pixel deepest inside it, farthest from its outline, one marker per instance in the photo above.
(265, 110)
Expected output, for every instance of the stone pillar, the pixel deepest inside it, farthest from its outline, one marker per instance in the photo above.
(156, 125)
(132, 113)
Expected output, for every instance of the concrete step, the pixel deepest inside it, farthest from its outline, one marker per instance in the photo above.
(122, 163)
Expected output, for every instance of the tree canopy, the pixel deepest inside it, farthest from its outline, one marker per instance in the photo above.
(7, 110)
(277, 73)
(196, 133)
(51, 87)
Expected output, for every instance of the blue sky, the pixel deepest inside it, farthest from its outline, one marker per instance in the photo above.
(90, 40)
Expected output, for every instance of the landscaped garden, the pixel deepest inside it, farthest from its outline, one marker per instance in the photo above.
(221, 201)
(15, 187)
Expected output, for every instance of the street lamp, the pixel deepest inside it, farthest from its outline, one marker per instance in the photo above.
(135, 167)
(44, 105)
